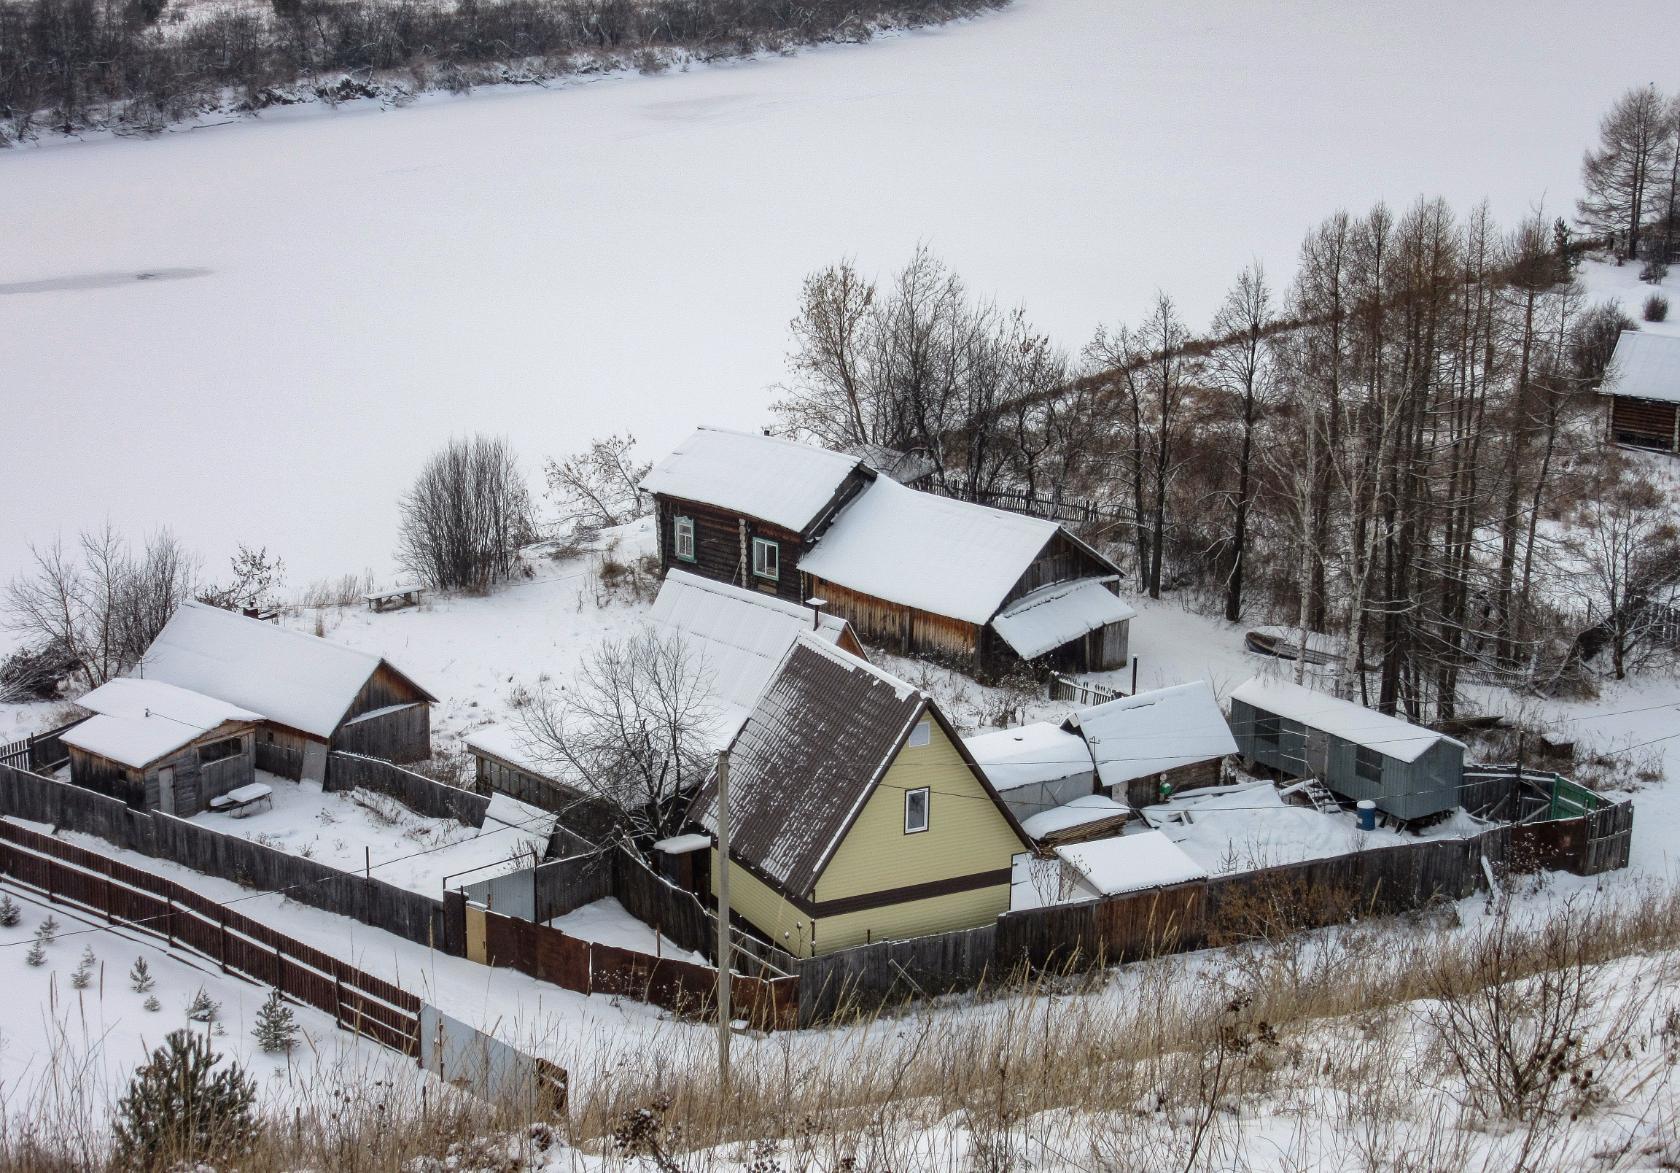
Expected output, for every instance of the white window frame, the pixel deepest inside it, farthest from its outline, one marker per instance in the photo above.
(761, 547)
(927, 809)
(682, 527)
(922, 734)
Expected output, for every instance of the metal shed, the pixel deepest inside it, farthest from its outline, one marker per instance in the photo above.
(1409, 771)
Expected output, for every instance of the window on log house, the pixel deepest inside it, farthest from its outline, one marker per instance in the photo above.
(683, 538)
(767, 558)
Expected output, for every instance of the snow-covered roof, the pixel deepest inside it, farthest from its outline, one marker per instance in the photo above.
(738, 636)
(1127, 863)
(137, 722)
(1030, 754)
(1057, 614)
(820, 737)
(1387, 735)
(1087, 808)
(1152, 732)
(508, 743)
(300, 681)
(947, 557)
(1645, 366)
(778, 481)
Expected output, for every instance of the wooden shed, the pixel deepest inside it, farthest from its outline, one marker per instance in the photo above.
(158, 747)
(1409, 771)
(1154, 744)
(312, 696)
(1642, 391)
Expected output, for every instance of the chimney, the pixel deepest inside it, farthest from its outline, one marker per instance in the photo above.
(816, 606)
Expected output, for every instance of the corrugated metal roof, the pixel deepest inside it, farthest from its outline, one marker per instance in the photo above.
(1645, 366)
(821, 735)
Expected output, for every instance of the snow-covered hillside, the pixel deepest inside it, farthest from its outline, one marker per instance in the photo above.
(333, 294)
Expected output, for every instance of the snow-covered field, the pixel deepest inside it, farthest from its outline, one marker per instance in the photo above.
(356, 830)
(335, 293)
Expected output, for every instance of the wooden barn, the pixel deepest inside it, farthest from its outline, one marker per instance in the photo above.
(923, 573)
(1642, 392)
(312, 696)
(158, 747)
(855, 813)
(1409, 771)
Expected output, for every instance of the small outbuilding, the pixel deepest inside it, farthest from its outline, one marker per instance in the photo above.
(312, 695)
(158, 747)
(1409, 771)
(1147, 746)
(1643, 391)
(1101, 867)
(1034, 768)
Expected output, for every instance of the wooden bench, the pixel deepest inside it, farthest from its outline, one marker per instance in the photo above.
(396, 597)
(242, 800)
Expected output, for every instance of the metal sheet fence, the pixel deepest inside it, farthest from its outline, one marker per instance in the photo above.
(139, 900)
(347, 771)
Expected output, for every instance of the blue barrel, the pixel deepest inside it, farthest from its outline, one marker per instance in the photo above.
(1367, 814)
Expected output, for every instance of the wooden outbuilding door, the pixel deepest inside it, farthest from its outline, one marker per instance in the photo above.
(166, 789)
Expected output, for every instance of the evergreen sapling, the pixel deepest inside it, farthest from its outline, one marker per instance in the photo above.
(203, 1008)
(9, 913)
(276, 1028)
(83, 977)
(140, 976)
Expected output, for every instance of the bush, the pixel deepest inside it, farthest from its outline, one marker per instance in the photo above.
(1654, 271)
(466, 516)
(179, 1108)
(1656, 308)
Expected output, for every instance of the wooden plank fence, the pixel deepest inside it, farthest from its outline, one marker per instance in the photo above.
(348, 771)
(39, 751)
(1084, 693)
(122, 895)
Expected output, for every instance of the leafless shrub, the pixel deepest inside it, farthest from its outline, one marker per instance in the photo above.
(597, 488)
(347, 590)
(466, 516)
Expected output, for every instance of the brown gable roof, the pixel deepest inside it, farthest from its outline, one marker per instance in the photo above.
(821, 735)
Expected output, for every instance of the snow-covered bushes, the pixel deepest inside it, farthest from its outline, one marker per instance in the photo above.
(1656, 308)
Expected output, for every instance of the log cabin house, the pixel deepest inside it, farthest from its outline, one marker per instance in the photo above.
(158, 747)
(312, 696)
(1642, 392)
(856, 815)
(921, 573)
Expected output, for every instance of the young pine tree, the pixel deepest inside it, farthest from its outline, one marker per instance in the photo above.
(37, 954)
(203, 1008)
(151, 1003)
(9, 914)
(83, 977)
(276, 1029)
(180, 1109)
(47, 931)
(140, 976)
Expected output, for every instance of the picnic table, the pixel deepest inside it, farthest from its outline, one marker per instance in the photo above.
(407, 595)
(242, 800)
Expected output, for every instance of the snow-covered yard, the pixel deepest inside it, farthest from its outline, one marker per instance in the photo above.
(65, 1051)
(353, 830)
(607, 922)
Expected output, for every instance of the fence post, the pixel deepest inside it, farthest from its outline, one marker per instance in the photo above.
(221, 941)
(169, 917)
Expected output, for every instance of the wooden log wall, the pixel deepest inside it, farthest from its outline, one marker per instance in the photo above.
(718, 547)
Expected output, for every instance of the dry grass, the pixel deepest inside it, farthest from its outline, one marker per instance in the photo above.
(1540, 1040)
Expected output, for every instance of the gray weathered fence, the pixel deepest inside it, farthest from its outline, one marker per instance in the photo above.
(152, 833)
(438, 800)
(858, 979)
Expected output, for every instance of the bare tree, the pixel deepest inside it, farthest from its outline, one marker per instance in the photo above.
(1628, 547)
(1244, 370)
(466, 516)
(597, 488)
(631, 731)
(98, 606)
(256, 577)
(1622, 175)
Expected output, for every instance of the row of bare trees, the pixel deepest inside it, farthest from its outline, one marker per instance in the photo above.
(1632, 176)
(1399, 449)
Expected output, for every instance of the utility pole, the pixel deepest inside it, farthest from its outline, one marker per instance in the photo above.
(723, 966)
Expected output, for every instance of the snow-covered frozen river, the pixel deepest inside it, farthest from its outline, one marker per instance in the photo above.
(354, 287)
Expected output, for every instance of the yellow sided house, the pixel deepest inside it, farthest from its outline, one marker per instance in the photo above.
(856, 814)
